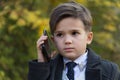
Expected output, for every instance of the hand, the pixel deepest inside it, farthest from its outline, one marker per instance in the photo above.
(39, 50)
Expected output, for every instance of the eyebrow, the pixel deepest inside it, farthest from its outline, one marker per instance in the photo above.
(75, 30)
(70, 31)
(58, 31)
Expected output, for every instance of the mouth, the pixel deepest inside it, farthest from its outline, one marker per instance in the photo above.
(68, 49)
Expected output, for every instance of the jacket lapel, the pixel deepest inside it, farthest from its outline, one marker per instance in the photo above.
(93, 74)
(93, 71)
(57, 68)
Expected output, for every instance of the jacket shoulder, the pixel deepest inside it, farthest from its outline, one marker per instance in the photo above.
(109, 65)
(110, 69)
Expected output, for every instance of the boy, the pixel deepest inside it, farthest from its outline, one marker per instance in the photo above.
(71, 25)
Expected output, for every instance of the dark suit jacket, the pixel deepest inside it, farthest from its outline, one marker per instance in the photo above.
(97, 69)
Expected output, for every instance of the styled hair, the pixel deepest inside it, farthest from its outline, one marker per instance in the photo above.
(70, 9)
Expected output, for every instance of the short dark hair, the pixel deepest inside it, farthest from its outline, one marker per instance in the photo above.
(70, 9)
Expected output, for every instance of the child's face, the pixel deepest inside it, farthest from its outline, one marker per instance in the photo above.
(70, 38)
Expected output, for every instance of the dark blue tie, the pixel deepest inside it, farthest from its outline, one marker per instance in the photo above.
(70, 73)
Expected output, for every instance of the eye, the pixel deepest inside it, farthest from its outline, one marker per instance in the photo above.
(75, 33)
(59, 34)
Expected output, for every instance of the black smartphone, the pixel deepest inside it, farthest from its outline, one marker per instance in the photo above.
(47, 46)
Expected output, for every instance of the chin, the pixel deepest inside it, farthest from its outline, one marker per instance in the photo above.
(71, 57)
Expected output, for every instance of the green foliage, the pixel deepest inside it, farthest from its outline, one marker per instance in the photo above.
(106, 28)
(19, 31)
(22, 22)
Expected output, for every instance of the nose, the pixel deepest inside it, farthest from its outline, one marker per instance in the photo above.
(68, 39)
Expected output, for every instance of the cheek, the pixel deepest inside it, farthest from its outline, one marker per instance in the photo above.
(82, 40)
(59, 47)
(58, 43)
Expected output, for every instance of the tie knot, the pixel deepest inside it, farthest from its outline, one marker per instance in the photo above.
(71, 65)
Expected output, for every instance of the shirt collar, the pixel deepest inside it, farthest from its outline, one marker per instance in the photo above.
(81, 61)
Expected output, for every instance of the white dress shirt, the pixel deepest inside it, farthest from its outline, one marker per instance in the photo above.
(79, 69)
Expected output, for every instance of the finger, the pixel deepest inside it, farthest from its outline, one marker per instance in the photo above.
(42, 38)
(39, 44)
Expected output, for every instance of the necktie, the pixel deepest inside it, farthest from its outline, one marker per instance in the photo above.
(70, 73)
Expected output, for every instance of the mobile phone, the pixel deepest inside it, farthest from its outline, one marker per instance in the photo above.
(46, 46)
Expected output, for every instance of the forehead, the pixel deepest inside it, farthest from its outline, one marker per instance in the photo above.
(70, 23)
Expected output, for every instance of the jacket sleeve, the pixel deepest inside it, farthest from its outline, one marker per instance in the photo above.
(38, 71)
(117, 75)
(111, 70)
(115, 72)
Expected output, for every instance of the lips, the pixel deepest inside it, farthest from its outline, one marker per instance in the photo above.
(68, 49)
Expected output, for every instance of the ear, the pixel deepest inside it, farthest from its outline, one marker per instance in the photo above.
(89, 37)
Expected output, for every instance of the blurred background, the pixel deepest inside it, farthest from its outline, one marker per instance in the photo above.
(22, 22)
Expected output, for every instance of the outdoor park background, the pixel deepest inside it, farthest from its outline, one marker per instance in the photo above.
(22, 22)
